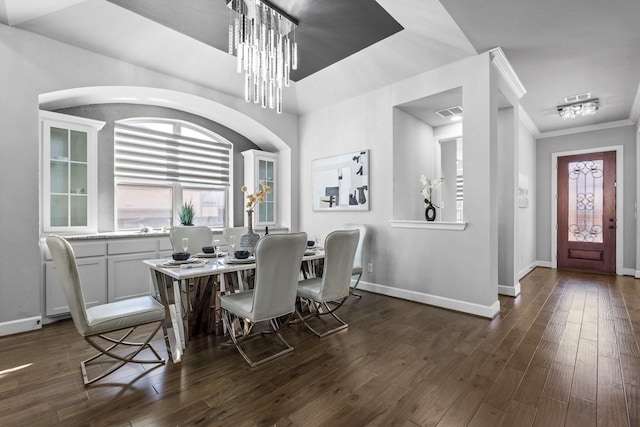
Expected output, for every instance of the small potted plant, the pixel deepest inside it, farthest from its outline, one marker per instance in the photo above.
(186, 213)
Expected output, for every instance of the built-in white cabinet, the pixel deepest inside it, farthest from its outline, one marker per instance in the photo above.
(92, 267)
(262, 166)
(69, 172)
(110, 270)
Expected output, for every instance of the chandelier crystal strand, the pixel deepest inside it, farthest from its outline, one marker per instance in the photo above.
(259, 35)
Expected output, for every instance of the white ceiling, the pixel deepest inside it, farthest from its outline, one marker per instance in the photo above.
(556, 48)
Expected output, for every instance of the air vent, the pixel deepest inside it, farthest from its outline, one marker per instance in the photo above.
(577, 98)
(448, 112)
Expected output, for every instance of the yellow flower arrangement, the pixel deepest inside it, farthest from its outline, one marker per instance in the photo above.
(258, 196)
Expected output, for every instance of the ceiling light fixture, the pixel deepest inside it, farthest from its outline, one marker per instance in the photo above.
(584, 108)
(259, 35)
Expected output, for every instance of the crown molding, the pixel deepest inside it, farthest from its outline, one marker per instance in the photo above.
(599, 126)
(502, 64)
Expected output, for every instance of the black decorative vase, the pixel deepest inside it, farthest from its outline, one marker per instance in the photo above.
(430, 212)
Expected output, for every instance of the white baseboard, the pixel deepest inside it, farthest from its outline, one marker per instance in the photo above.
(546, 264)
(512, 291)
(528, 269)
(489, 311)
(20, 325)
(630, 272)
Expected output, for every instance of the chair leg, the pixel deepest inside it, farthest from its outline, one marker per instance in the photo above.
(123, 360)
(353, 288)
(317, 313)
(227, 320)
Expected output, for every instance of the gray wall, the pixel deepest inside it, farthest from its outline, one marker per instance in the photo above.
(110, 113)
(625, 136)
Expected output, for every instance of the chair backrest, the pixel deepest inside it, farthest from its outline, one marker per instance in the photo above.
(233, 231)
(67, 270)
(278, 260)
(198, 237)
(340, 250)
(358, 260)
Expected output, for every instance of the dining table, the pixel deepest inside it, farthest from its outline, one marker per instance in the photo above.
(190, 290)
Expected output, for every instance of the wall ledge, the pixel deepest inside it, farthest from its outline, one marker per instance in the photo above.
(435, 225)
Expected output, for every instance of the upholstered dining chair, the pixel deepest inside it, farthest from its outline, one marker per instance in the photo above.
(278, 259)
(236, 232)
(340, 249)
(198, 238)
(94, 323)
(358, 260)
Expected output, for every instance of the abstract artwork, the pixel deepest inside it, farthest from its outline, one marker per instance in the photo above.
(341, 183)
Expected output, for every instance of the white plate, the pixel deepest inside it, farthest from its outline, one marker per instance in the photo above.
(249, 260)
(186, 261)
(203, 255)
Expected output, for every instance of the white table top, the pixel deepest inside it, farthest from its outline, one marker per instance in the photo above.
(213, 266)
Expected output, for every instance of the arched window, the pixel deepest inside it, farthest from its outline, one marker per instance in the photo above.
(159, 164)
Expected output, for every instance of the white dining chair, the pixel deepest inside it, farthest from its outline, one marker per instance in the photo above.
(358, 260)
(340, 249)
(199, 237)
(232, 235)
(278, 259)
(96, 322)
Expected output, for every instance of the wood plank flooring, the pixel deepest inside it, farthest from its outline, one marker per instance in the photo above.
(563, 353)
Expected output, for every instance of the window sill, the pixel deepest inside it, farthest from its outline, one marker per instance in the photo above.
(435, 225)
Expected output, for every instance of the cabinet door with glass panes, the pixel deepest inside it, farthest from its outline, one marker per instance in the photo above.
(263, 166)
(69, 166)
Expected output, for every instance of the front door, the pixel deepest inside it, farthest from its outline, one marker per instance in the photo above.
(587, 212)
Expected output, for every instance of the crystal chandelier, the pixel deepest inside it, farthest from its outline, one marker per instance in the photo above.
(259, 36)
(583, 108)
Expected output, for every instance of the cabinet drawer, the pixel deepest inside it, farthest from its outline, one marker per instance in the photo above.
(132, 246)
(83, 249)
(165, 244)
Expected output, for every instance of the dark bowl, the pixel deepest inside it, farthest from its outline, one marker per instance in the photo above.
(241, 254)
(310, 243)
(180, 256)
(209, 249)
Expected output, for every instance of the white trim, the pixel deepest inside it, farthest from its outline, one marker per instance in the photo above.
(499, 59)
(436, 225)
(619, 149)
(590, 128)
(545, 264)
(20, 325)
(71, 120)
(466, 307)
(528, 269)
(512, 291)
(629, 272)
(637, 274)
(634, 114)
(525, 119)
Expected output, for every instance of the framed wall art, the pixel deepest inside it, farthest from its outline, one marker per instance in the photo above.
(341, 183)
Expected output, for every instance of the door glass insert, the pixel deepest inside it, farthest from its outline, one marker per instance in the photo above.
(585, 210)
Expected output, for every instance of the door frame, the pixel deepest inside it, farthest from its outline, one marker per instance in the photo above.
(619, 201)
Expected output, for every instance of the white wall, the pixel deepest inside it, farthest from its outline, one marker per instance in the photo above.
(527, 216)
(447, 268)
(34, 65)
(413, 150)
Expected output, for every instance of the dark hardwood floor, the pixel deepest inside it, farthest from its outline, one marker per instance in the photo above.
(563, 353)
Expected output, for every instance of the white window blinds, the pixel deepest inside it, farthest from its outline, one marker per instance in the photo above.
(186, 155)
